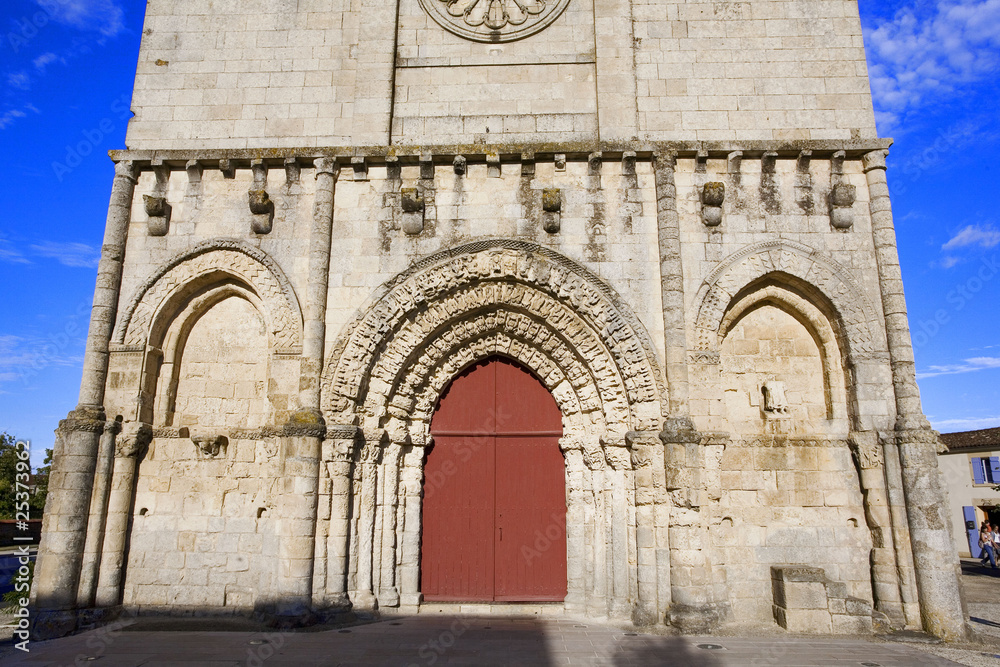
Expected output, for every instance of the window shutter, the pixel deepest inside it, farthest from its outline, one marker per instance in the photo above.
(978, 475)
(969, 514)
(993, 474)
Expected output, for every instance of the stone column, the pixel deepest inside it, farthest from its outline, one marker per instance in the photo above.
(868, 455)
(671, 285)
(692, 599)
(57, 571)
(388, 592)
(598, 571)
(901, 535)
(648, 497)
(935, 560)
(338, 449)
(369, 457)
(412, 488)
(620, 514)
(576, 525)
(129, 449)
(297, 505)
(98, 514)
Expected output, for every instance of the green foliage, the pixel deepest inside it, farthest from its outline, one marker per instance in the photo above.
(12, 599)
(8, 477)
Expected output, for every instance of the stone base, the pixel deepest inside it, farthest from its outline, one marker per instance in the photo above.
(46, 624)
(696, 620)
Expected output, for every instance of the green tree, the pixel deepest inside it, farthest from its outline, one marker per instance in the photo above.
(8, 476)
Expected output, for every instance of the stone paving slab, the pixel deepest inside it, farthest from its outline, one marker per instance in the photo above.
(422, 641)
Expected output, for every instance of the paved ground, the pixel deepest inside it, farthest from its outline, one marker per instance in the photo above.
(448, 640)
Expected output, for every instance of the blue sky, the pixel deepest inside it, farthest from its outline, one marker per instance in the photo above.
(66, 70)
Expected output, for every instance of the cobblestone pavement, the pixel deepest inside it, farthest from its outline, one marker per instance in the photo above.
(419, 641)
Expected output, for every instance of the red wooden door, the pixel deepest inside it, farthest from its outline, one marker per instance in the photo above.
(494, 511)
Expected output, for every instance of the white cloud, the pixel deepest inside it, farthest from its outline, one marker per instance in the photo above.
(44, 60)
(958, 425)
(949, 262)
(68, 254)
(104, 16)
(915, 60)
(8, 253)
(969, 366)
(983, 236)
(19, 80)
(22, 358)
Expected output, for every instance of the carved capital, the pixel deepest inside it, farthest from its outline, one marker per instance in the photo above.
(134, 440)
(874, 160)
(867, 450)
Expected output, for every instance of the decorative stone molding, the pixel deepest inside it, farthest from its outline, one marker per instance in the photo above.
(170, 432)
(529, 298)
(158, 211)
(775, 401)
(551, 210)
(712, 196)
(494, 20)
(777, 257)
(412, 203)
(842, 199)
(162, 293)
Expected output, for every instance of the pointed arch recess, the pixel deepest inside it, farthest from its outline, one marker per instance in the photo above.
(206, 264)
(504, 297)
(831, 282)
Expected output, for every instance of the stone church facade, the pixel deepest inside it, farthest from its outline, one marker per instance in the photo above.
(672, 217)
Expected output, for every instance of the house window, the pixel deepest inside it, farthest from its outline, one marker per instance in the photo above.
(986, 470)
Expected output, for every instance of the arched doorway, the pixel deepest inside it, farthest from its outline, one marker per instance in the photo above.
(494, 510)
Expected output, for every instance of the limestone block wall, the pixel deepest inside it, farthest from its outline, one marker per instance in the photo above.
(789, 502)
(765, 69)
(607, 223)
(236, 75)
(204, 534)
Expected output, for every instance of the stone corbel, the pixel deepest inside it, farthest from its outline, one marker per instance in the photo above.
(551, 210)
(227, 168)
(427, 167)
(261, 205)
(360, 166)
(527, 164)
(493, 169)
(595, 161)
(701, 161)
(194, 171)
(412, 203)
(628, 163)
(804, 182)
(460, 164)
(734, 163)
(293, 171)
(210, 445)
(560, 161)
(156, 204)
(712, 197)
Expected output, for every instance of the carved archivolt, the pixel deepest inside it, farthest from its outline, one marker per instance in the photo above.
(499, 297)
(834, 282)
(206, 264)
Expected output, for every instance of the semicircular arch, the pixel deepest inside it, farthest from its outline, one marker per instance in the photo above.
(786, 262)
(156, 301)
(430, 301)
